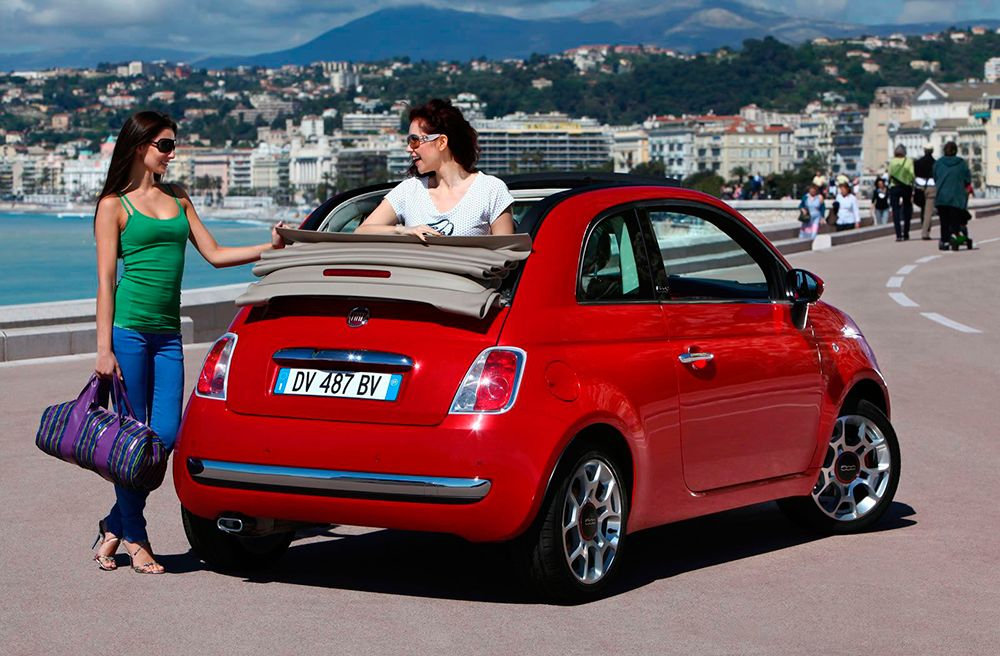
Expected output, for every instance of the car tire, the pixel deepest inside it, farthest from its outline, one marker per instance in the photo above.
(225, 551)
(858, 476)
(574, 548)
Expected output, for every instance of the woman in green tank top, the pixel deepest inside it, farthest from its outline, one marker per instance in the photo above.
(148, 224)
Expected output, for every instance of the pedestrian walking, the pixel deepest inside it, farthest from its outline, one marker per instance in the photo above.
(811, 211)
(951, 173)
(924, 190)
(848, 212)
(147, 223)
(880, 202)
(901, 178)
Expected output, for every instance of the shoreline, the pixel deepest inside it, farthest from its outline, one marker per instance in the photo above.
(263, 216)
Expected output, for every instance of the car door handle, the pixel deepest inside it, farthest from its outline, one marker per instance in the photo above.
(690, 358)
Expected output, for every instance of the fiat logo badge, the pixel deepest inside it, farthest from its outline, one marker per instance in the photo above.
(358, 317)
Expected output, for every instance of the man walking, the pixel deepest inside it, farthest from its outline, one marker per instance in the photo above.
(901, 178)
(924, 190)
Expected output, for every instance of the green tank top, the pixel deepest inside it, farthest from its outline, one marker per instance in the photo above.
(148, 297)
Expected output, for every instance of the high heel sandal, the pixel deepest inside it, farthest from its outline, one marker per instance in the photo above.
(148, 567)
(105, 562)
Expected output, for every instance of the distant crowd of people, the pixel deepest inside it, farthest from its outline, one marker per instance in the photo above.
(940, 185)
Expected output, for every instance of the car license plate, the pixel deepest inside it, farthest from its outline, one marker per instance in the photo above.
(340, 384)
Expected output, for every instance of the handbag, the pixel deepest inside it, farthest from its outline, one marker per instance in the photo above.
(803, 215)
(831, 217)
(918, 196)
(114, 444)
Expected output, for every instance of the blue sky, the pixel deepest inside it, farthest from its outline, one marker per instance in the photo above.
(252, 26)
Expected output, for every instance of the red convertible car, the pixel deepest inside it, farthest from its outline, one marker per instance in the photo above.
(637, 354)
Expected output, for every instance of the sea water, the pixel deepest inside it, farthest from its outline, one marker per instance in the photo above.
(53, 257)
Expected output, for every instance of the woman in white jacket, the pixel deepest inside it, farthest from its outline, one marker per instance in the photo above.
(848, 212)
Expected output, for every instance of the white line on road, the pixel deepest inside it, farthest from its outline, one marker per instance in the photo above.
(928, 258)
(945, 321)
(903, 270)
(895, 281)
(988, 241)
(902, 299)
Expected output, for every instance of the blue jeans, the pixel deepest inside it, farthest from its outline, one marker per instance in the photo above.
(152, 365)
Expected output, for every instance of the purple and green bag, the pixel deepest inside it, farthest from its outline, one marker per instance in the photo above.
(114, 444)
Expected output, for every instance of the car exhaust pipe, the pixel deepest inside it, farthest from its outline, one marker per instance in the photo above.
(233, 525)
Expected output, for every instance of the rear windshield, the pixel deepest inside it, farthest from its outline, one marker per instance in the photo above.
(347, 216)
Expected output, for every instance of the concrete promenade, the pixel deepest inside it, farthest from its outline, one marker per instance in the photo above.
(746, 582)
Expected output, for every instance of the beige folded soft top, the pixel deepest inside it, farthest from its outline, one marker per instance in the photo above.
(454, 274)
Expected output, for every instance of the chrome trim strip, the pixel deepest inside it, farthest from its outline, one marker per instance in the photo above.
(297, 480)
(336, 356)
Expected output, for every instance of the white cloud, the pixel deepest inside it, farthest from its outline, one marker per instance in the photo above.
(921, 11)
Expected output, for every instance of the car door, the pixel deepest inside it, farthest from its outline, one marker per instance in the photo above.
(748, 380)
(617, 336)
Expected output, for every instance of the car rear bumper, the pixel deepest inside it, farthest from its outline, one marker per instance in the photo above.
(479, 477)
(331, 482)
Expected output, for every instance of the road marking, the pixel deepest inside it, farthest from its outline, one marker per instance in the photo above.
(906, 269)
(988, 241)
(945, 321)
(902, 299)
(895, 281)
(927, 258)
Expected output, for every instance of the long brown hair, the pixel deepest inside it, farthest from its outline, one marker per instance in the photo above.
(139, 129)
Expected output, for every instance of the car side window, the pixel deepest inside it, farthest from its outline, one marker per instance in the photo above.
(614, 266)
(702, 262)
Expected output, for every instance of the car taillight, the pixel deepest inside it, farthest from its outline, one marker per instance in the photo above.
(490, 386)
(215, 372)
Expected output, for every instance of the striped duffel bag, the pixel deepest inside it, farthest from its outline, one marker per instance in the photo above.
(114, 444)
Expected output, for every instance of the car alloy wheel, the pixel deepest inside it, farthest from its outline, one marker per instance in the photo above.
(858, 476)
(856, 470)
(574, 549)
(592, 520)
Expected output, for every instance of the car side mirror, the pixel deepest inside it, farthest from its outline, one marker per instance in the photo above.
(805, 287)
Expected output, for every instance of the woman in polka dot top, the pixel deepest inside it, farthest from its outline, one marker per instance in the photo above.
(445, 194)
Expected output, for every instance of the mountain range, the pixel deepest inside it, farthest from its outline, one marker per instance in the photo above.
(425, 33)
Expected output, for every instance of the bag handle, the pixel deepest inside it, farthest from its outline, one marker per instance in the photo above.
(120, 398)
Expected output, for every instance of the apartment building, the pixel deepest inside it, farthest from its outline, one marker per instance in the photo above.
(991, 152)
(361, 123)
(890, 105)
(848, 137)
(521, 143)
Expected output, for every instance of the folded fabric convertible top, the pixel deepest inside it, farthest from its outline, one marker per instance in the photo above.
(454, 274)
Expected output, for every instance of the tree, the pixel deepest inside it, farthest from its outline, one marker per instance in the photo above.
(739, 173)
(706, 181)
(651, 169)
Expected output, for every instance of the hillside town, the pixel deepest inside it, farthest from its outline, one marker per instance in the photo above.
(273, 136)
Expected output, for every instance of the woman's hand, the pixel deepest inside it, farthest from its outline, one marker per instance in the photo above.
(277, 241)
(421, 231)
(107, 366)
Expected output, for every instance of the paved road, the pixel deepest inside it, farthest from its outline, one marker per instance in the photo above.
(743, 582)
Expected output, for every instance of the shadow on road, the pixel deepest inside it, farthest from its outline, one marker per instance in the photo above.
(442, 566)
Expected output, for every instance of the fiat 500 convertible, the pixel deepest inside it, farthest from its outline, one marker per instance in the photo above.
(637, 354)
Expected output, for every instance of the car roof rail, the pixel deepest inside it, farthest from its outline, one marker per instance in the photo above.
(577, 179)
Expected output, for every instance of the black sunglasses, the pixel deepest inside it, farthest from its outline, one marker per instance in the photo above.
(165, 145)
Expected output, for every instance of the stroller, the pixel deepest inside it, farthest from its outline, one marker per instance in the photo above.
(960, 231)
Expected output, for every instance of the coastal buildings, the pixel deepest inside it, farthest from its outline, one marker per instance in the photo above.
(521, 143)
